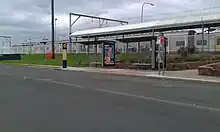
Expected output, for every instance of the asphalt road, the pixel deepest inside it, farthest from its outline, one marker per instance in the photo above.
(45, 100)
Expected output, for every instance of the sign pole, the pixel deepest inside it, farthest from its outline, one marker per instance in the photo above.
(163, 59)
(161, 50)
(162, 44)
(159, 59)
(64, 57)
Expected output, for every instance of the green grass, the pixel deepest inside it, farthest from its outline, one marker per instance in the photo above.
(40, 60)
(81, 60)
(77, 60)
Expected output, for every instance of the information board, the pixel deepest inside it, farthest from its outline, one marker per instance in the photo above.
(109, 53)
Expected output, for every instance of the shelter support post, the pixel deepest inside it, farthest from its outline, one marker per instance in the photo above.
(138, 46)
(96, 55)
(185, 40)
(78, 51)
(122, 45)
(202, 37)
(87, 51)
(153, 56)
(70, 27)
(168, 44)
(127, 54)
(208, 39)
(127, 48)
(139, 50)
(102, 53)
(77, 46)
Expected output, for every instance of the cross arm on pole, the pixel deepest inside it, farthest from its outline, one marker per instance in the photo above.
(102, 18)
(5, 36)
(75, 21)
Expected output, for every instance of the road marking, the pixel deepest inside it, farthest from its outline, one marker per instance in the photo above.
(46, 80)
(163, 85)
(7, 74)
(8, 66)
(55, 82)
(162, 100)
(128, 95)
(182, 78)
(140, 97)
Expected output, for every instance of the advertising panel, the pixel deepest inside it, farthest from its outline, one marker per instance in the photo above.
(109, 53)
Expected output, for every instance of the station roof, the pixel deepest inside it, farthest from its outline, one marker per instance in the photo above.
(137, 39)
(92, 42)
(189, 22)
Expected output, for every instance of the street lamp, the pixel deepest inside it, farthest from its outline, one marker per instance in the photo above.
(55, 36)
(142, 9)
(52, 29)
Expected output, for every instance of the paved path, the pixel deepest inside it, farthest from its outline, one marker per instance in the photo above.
(46, 100)
(187, 75)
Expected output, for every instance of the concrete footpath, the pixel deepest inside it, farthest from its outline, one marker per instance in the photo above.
(188, 75)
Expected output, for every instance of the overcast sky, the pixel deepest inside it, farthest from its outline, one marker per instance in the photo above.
(24, 19)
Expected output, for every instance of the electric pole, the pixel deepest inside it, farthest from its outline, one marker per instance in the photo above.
(52, 29)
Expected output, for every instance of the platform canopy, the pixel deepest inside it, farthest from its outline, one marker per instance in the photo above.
(93, 42)
(189, 22)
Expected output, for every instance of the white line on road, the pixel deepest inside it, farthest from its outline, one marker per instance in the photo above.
(128, 95)
(7, 74)
(162, 100)
(139, 97)
(183, 78)
(163, 85)
(55, 82)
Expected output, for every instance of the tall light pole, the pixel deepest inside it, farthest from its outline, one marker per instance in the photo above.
(52, 29)
(55, 31)
(142, 10)
(142, 17)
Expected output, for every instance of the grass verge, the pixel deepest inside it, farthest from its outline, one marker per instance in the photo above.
(83, 60)
(75, 60)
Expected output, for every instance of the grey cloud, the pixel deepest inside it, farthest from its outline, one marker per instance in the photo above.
(22, 29)
(32, 22)
(35, 10)
(32, 6)
(95, 7)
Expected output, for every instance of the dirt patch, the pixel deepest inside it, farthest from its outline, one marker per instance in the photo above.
(189, 65)
(210, 69)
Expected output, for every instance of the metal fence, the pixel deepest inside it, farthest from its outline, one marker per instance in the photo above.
(210, 43)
